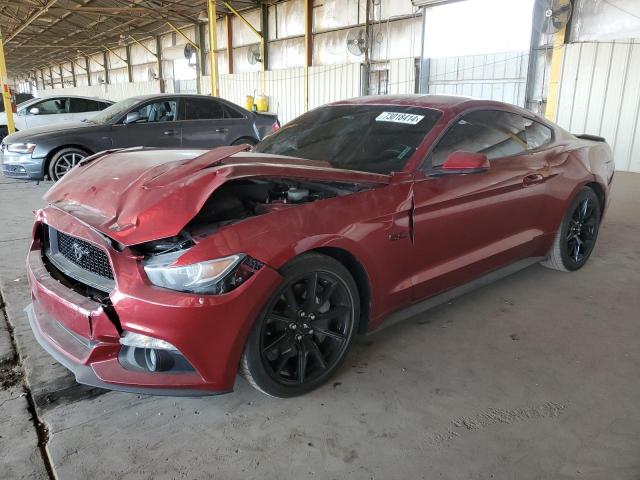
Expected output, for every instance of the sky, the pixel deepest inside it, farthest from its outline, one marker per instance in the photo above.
(477, 27)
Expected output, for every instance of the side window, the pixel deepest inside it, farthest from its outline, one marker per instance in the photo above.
(160, 111)
(496, 134)
(230, 112)
(202, 109)
(81, 105)
(104, 105)
(52, 106)
(537, 134)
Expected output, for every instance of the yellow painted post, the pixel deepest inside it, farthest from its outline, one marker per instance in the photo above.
(213, 45)
(6, 93)
(554, 76)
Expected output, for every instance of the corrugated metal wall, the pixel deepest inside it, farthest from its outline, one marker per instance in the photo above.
(285, 88)
(600, 94)
(498, 76)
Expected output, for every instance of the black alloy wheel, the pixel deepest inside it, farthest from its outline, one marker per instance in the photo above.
(305, 330)
(577, 234)
(582, 230)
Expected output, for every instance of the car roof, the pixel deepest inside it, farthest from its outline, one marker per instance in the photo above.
(151, 96)
(445, 103)
(46, 97)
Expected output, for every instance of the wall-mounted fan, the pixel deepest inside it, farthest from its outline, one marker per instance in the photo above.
(190, 52)
(151, 74)
(253, 54)
(357, 42)
(551, 16)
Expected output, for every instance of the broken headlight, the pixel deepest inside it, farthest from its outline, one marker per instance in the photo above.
(209, 277)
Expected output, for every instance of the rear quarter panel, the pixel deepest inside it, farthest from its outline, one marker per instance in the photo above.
(574, 163)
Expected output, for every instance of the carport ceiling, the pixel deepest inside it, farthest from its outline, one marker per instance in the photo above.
(45, 32)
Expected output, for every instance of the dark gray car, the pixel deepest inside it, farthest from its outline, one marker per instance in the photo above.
(171, 121)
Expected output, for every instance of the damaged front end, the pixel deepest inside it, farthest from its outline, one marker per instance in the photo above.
(145, 283)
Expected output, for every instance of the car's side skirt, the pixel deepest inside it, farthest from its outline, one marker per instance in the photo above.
(449, 295)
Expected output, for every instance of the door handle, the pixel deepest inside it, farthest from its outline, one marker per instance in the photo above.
(222, 130)
(170, 132)
(532, 179)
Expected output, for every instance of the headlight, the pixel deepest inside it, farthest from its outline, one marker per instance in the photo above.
(203, 277)
(21, 147)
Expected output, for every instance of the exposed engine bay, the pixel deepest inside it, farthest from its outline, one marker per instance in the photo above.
(242, 199)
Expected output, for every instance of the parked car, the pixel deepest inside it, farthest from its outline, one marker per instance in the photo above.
(17, 98)
(38, 112)
(169, 121)
(167, 272)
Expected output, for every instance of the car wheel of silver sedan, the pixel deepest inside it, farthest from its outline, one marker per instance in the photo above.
(63, 161)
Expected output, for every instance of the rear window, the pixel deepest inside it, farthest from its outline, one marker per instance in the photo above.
(370, 138)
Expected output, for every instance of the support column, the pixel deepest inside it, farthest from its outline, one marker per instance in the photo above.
(61, 76)
(159, 58)
(105, 57)
(127, 52)
(213, 45)
(554, 75)
(88, 70)
(308, 48)
(229, 21)
(199, 64)
(6, 93)
(73, 74)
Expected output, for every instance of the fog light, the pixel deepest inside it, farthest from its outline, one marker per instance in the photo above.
(131, 339)
(158, 360)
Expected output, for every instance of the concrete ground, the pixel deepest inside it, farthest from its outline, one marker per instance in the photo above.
(534, 376)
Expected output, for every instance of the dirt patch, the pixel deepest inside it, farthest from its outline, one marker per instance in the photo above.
(10, 376)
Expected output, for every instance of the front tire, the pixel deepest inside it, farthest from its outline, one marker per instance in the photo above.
(305, 329)
(64, 160)
(576, 237)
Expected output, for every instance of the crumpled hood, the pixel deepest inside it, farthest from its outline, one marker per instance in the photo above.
(139, 195)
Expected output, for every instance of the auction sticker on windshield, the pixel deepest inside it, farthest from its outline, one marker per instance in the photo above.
(397, 117)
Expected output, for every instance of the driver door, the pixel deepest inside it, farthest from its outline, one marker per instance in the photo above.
(157, 126)
(469, 224)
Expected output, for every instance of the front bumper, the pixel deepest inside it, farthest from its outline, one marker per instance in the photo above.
(209, 331)
(15, 165)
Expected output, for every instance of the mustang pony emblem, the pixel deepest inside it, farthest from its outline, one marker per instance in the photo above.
(79, 252)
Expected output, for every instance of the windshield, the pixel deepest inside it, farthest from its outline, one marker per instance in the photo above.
(369, 138)
(110, 114)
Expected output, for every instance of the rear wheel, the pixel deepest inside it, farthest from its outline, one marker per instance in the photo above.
(245, 140)
(64, 160)
(305, 330)
(577, 234)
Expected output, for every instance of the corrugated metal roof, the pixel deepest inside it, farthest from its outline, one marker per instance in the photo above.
(45, 32)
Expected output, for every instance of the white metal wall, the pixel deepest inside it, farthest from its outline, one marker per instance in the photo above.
(600, 94)
(285, 88)
(499, 76)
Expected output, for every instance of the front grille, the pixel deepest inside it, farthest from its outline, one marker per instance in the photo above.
(85, 255)
(78, 260)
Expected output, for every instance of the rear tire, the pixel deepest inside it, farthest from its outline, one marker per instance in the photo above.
(305, 329)
(577, 234)
(64, 160)
(245, 140)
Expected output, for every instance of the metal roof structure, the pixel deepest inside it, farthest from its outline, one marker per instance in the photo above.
(39, 32)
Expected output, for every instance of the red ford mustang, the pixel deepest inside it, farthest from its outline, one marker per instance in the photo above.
(168, 271)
